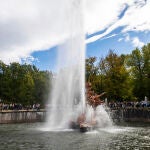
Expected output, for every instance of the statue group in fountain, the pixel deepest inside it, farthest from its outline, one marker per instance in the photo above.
(85, 122)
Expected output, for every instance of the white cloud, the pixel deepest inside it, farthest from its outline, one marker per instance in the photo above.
(137, 43)
(29, 60)
(127, 38)
(120, 39)
(110, 36)
(100, 14)
(135, 18)
(32, 25)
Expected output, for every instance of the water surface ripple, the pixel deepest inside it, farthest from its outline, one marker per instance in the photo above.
(32, 137)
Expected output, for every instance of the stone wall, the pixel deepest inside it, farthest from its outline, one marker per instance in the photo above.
(21, 116)
(118, 115)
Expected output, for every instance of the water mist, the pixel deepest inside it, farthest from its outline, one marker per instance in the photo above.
(67, 98)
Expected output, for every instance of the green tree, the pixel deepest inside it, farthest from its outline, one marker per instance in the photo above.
(139, 61)
(116, 77)
(42, 80)
(146, 69)
(93, 75)
(91, 70)
(23, 84)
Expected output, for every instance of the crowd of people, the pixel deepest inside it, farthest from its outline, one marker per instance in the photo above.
(118, 105)
(15, 106)
(111, 105)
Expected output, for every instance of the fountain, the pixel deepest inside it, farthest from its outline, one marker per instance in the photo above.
(67, 99)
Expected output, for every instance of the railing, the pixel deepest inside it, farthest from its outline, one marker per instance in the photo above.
(131, 114)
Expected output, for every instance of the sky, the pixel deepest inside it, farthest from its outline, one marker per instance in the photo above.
(32, 30)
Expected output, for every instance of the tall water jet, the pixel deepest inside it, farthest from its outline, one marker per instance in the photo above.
(67, 99)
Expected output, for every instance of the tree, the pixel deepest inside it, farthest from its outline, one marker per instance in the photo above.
(24, 84)
(93, 75)
(42, 80)
(139, 61)
(146, 69)
(116, 77)
(91, 70)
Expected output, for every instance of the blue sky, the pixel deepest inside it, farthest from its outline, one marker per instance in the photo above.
(47, 60)
(32, 32)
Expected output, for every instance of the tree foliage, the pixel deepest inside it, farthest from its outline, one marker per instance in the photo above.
(23, 83)
(123, 77)
(139, 61)
(116, 77)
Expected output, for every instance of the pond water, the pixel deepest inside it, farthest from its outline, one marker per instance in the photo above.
(33, 137)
